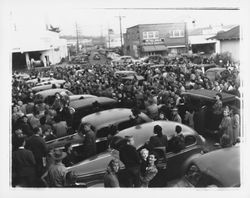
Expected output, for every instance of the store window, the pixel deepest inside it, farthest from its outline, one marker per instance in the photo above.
(150, 35)
(176, 33)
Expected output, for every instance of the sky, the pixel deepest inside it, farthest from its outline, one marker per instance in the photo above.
(94, 19)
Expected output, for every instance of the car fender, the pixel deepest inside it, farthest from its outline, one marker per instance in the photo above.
(188, 162)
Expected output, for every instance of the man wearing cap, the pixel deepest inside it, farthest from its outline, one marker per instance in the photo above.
(57, 171)
(175, 115)
(131, 160)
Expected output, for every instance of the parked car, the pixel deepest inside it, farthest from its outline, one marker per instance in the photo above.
(87, 106)
(128, 75)
(201, 100)
(43, 79)
(56, 84)
(80, 97)
(103, 124)
(49, 94)
(217, 73)
(205, 67)
(172, 164)
(50, 82)
(218, 168)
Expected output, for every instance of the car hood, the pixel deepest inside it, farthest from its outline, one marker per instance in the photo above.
(95, 164)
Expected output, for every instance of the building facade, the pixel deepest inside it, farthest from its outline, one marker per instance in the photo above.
(152, 39)
(34, 44)
(230, 42)
(199, 42)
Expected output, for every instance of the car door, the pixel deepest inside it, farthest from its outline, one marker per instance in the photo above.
(175, 161)
(170, 166)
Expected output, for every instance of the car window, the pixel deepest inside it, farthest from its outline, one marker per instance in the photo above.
(126, 124)
(103, 132)
(189, 140)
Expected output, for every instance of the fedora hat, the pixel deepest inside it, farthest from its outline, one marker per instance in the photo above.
(58, 154)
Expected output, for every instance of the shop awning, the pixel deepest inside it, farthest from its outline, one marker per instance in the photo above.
(153, 48)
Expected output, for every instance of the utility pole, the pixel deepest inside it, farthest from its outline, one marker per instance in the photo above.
(120, 21)
(77, 39)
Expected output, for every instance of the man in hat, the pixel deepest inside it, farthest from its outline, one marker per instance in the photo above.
(57, 171)
(175, 115)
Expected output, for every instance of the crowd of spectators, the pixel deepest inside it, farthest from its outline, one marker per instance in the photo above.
(159, 95)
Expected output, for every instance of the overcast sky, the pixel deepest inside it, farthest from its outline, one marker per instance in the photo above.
(94, 19)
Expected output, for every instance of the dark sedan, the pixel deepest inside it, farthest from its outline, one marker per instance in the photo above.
(92, 170)
(90, 105)
(104, 123)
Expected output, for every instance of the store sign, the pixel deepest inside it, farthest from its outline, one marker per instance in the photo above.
(153, 41)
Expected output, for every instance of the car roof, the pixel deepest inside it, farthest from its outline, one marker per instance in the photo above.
(222, 164)
(107, 117)
(125, 72)
(77, 104)
(42, 79)
(143, 132)
(217, 69)
(81, 96)
(209, 95)
(50, 92)
(207, 65)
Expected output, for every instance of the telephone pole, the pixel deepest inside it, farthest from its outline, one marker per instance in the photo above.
(120, 21)
(77, 39)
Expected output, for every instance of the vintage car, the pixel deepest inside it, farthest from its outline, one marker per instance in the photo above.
(48, 95)
(204, 67)
(45, 87)
(217, 73)
(50, 82)
(201, 100)
(103, 124)
(218, 168)
(172, 164)
(90, 105)
(127, 75)
(81, 96)
(43, 79)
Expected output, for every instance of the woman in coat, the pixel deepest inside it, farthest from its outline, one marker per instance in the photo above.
(226, 126)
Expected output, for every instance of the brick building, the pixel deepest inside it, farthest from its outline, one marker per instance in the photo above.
(151, 39)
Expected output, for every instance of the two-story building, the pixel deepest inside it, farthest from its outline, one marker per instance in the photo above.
(151, 39)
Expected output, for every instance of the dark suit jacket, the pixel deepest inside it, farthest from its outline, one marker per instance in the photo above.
(38, 147)
(129, 156)
(23, 163)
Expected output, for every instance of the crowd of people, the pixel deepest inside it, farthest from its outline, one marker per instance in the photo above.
(159, 95)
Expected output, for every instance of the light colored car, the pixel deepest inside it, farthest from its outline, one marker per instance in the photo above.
(92, 170)
(50, 82)
(43, 79)
(218, 168)
(217, 73)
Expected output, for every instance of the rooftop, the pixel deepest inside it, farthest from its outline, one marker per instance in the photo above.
(154, 24)
(232, 34)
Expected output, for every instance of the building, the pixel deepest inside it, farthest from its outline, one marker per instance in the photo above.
(113, 40)
(35, 44)
(229, 42)
(150, 39)
(199, 42)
